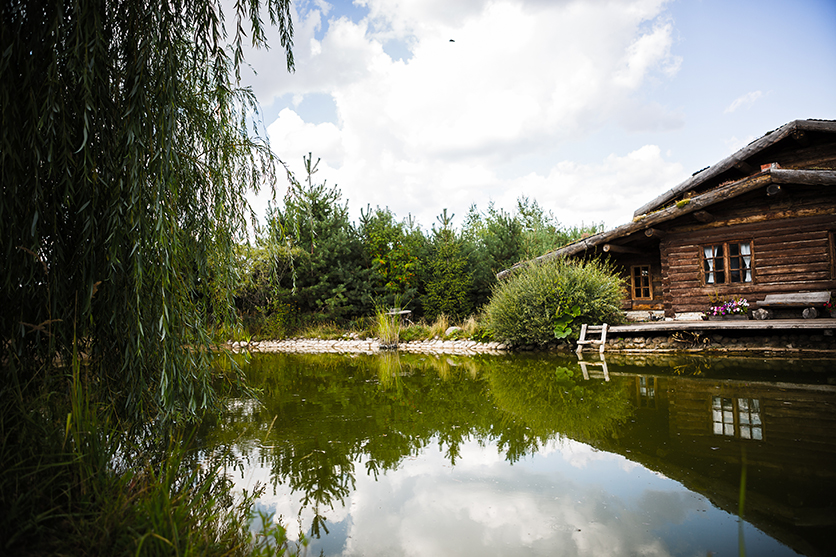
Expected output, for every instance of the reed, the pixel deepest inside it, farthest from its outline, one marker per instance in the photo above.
(387, 327)
(439, 327)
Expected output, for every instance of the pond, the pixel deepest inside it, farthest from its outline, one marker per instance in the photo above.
(405, 454)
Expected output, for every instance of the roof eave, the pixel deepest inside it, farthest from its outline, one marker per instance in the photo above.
(738, 157)
(697, 203)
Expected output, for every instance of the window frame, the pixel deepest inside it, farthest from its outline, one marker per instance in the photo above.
(743, 418)
(640, 288)
(646, 389)
(727, 259)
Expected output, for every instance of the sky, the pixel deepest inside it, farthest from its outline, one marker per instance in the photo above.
(590, 107)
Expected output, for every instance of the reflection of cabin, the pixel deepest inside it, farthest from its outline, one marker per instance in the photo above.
(699, 431)
(759, 222)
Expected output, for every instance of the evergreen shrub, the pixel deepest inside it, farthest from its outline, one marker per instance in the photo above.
(529, 306)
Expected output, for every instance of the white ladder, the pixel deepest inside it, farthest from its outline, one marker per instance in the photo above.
(582, 341)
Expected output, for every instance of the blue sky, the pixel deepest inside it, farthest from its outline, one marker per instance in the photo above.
(590, 107)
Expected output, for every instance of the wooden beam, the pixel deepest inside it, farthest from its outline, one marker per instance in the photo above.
(806, 177)
(655, 233)
(614, 248)
(704, 216)
(809, 212)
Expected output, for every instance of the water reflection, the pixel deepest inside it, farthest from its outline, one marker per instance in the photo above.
(411, 454)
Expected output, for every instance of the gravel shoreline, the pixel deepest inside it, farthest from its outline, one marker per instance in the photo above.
(368, 346)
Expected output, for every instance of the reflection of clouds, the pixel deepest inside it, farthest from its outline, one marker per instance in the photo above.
(580, 455)
(666, 506)
(491, 508)
(569, 500)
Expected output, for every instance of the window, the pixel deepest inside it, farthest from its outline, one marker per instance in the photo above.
(642, 289)
(727, 263)
(737, 417)
(749, 418)
(647, 392)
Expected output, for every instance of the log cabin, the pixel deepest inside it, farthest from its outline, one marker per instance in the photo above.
(759, 222)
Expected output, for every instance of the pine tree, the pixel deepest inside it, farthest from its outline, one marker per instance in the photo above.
(449, 283)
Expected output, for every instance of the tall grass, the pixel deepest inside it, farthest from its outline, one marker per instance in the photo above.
(438, 328)
(387, 327)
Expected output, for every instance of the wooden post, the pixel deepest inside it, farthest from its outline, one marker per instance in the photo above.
(581, 340)
(603, 342)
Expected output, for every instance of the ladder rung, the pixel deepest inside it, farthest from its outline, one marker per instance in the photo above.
(601, 329)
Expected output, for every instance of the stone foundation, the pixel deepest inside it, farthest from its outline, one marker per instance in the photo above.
(680, 341)
(728, 341)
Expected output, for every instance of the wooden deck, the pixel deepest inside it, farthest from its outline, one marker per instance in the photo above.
(820, 324)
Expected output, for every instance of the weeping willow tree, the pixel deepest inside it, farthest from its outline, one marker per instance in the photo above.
(126, 149)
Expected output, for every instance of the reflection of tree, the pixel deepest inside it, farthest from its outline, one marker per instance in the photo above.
(332, 412)
(551, 399)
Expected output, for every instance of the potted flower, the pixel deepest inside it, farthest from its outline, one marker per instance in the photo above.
(735, 308)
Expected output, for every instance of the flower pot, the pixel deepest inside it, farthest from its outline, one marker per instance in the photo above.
(734, 317)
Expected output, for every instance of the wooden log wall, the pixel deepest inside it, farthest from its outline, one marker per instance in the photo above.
(791, 242)
(624, 264)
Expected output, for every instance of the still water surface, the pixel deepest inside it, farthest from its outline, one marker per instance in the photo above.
(534, 455)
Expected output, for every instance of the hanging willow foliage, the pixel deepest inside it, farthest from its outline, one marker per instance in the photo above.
(126, 150)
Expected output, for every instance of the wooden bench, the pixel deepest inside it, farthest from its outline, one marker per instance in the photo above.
(810, 301)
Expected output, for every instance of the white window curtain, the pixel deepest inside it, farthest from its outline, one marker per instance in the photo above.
(710, 254)
(746, 252)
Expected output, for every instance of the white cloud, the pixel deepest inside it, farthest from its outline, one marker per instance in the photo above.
(648, 51)
(522, 77)
(743, 101)
(606, 192)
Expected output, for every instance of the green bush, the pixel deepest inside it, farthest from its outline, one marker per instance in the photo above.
(550, 300)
